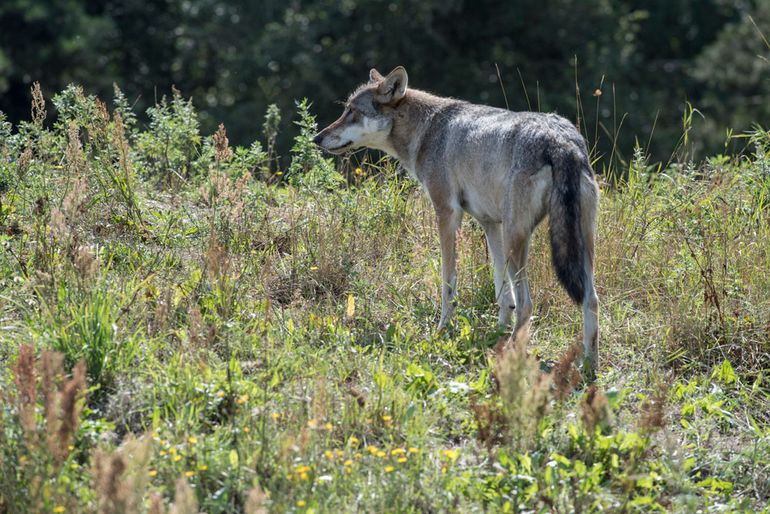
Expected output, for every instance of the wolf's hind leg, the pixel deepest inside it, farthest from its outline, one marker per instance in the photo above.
(590, 326)
(590, 299)
(516, 244)
(503, 292)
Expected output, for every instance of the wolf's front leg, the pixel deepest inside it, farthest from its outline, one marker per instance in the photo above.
(448, 223)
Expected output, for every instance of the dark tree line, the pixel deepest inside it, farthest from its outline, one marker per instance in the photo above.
(236, 58)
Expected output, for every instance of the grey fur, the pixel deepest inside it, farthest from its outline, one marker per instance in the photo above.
(507, 169)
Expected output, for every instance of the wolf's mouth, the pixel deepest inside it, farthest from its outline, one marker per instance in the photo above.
(339, 149)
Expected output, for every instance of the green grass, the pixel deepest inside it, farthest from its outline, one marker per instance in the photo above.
(255, 339)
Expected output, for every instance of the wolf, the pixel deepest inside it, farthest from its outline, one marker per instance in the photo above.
(506, 169)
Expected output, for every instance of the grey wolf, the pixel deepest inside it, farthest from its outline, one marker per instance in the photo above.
(506, 169)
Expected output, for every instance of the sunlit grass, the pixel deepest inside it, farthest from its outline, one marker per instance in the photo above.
(270, 343)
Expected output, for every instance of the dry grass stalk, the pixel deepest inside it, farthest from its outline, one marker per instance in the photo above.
(24, 160)
(62, 402)
(120, 142)
(566, 377)
(195, 325)
(25, 378)
(121, 477)
(70, 406)
(101, 121)
(255, 501)
(491, 422)
(524, 390)
(653, 411)
(86, 263)
(156, 504)
(111, 489)
(73, 154)
(594, 409)
(217, 260)
(184, 499)
(162, 312)
(320, 400)
(38, 105)
(51, 370)
(222, 151)
(61, 399)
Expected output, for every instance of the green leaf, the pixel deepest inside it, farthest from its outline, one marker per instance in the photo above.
(725, 373)
(641, 500)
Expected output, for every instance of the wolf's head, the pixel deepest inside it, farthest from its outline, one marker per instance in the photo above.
(368, 116)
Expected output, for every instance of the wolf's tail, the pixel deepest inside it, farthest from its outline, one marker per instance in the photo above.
(568, 246)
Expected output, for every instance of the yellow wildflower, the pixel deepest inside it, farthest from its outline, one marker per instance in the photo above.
(397, 451)
(242, 399)
(153, 472)
(328, 427)
(275, 416)
(371, 449)
(388, 469)
(189, 473)
(402, 459)
(220, 393)
(451, 454)
(381, 454)
(329, 455)
(387, 418)
(303, 476)
(301, 503)
(162, 453)
(59, 508)
(203, 467)
(354, 441)
(413, 450)
(177, 458)
(348, 462)
(192, 439)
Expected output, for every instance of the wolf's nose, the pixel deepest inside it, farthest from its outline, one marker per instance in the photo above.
(317, 139)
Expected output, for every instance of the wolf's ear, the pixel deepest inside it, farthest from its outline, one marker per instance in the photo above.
(393, 87)
(375, 76)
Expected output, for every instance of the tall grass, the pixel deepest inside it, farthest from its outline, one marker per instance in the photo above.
(222, 333)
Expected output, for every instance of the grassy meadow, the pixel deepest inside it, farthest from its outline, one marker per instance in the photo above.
(190, 327)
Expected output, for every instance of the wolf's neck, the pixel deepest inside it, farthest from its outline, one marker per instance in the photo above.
(412, 118)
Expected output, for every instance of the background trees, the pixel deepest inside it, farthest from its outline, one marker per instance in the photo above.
(236, 58)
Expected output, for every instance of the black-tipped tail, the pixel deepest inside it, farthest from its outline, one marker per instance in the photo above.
(567, 244)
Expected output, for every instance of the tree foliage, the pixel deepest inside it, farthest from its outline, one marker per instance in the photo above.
(236, 58)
